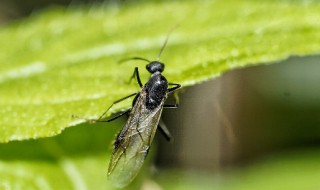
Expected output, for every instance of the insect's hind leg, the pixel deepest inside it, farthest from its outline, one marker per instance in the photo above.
(164, 131)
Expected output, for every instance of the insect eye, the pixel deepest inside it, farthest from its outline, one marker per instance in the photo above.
(155, 66)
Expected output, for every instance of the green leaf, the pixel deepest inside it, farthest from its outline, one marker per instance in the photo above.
(65, 61)
(77, 159)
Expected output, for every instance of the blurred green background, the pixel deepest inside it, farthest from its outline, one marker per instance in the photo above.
(251, 128)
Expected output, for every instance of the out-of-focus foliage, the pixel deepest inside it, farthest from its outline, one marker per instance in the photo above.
(287, 171)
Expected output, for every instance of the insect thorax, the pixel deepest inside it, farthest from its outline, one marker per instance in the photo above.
(156, 89)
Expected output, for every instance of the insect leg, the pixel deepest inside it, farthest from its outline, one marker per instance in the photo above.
(145, 152)
(171, 106)
(176, 86)
(164, 131)
(136, 74)
(173, 89)
(114, 118)
(163, 128)
(104, 113)
(115, 102)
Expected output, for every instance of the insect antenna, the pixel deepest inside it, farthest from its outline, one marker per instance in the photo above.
(163, 46)
(134, 58)
(166, 41)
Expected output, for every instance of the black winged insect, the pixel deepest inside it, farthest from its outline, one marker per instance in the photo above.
(134, 140)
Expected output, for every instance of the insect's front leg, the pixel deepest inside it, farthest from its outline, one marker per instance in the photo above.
(137, 76)
(173, 89)
(176, 87)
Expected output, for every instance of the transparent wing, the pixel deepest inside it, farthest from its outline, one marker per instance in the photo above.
(133, 143)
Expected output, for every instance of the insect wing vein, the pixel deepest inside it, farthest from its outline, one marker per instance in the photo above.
(133, 142)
